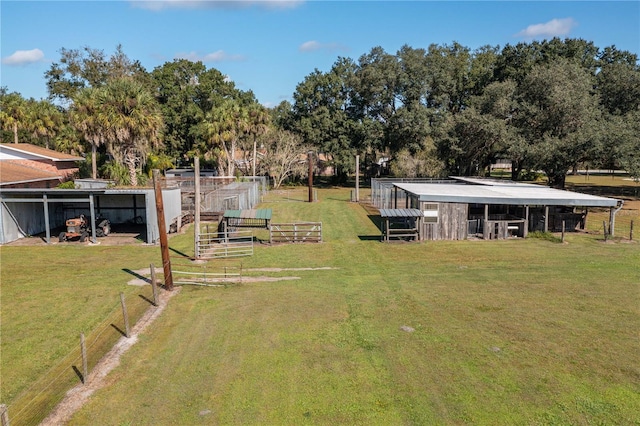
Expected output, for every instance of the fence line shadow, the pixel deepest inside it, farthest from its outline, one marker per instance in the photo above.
(78, 373)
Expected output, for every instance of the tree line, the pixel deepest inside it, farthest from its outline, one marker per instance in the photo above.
(549, 106)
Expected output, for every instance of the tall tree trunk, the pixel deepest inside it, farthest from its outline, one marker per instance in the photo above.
(254, 156)
(130, 160)
(94, 162)
(232, 163)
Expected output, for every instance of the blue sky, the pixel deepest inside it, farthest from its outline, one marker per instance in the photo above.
(270, 46)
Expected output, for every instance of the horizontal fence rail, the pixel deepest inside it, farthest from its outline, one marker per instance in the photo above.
(207, 278)
(222, 244)
(301, 232)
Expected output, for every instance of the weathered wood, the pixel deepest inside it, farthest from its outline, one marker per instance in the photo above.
(162, 229)
(631, 231)
(83, 351)
(604, 227)
(125, 315)
(546, 218)
(4, 415)
(357, 178)
(563, 231)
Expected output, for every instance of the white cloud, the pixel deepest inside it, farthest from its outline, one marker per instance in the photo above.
(217, 56)
(553, 28)
(312, 46)
(22, 57)
(157, 5)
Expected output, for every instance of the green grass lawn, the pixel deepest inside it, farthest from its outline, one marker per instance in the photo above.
(504, 332)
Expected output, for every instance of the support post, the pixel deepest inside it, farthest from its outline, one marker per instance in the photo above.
(154, 284)
(46, 217)
(612, 221)
(196, 213)
(162, 229)
(604, 227)
(310, 159)
(485, 226)
(4, 415)
(85, 368)
(125, 315)
(563, 231)
(357, 178)
(546, 218)
(526, 221)
(631, 232)
(93, 218)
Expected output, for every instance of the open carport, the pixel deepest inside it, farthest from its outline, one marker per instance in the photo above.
(27, 212)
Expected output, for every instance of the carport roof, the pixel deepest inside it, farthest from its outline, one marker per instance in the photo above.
(479, 191)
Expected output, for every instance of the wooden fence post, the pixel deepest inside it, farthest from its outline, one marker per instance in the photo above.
(85, 368)
(154, 284)
(631, 232)
(4, 415)
(124, 314)
(563, 231)
(604, 227)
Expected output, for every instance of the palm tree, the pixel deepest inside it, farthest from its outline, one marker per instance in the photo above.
(224, 125)
(86, 118)
(133, 122)
(258, 125)
(13, 111)
(44, 120)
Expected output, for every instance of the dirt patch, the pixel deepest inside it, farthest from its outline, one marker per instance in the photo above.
(78, 396)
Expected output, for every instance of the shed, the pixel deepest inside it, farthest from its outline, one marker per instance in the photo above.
(497, 209)
(26, 212)
(401, 223)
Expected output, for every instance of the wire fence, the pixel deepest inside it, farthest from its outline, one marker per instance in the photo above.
(35, 403)
(626, 225)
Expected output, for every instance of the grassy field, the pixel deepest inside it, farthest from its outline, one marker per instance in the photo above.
(483, 332)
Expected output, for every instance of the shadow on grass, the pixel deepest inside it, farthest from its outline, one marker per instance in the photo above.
(78, 373)
(178, 252)
(118, 329)
(370, 237)
(137, 275)
(146, 299)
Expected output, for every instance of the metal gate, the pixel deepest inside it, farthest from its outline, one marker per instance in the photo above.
(301, 232)
(225, 244)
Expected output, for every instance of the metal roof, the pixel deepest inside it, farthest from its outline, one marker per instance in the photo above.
(249, 214)
(400, 213)
(38, 151)
(512, 193)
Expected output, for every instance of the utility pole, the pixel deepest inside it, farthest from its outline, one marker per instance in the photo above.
(310, 158)
(162, 229)
(196, 202)
(357, 178)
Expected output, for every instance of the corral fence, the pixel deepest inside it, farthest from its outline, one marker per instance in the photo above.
(220, 194)
(215, 245)
(383, 195)
(626, 225)
(300, 232)
(35, 402)
(294, 194)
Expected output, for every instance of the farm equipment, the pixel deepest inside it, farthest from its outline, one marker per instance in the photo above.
(79, 228)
